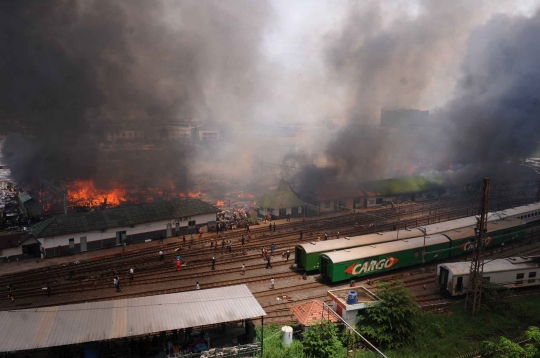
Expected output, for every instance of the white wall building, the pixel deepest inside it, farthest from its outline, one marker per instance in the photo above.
(94, 230)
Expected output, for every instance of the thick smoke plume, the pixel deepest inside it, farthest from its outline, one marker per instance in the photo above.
(496, 113)
(409, 62)
(70, 70)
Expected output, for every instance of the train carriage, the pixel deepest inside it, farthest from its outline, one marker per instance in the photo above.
(367, 260)
(511, 272)
(307, 255)
(498, 232)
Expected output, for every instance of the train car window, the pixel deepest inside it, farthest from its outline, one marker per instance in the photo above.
(519, 278)
(532, 276)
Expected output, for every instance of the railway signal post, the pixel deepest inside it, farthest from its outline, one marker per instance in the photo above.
(474, 292)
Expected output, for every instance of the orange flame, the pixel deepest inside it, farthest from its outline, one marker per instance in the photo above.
(84, 193)
(220, 203)
(245, 196)
(193, 194)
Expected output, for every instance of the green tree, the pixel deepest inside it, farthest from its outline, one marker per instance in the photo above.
(321, 341)
(391, 321)
(505, 348)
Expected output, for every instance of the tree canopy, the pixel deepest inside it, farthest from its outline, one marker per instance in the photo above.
(391, 321)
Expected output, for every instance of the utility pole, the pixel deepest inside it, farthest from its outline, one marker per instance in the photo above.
(474, 292)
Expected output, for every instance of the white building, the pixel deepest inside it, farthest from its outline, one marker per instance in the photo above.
(94, 230)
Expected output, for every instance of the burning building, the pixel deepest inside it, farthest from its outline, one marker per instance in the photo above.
(282, 202)
(65, 234)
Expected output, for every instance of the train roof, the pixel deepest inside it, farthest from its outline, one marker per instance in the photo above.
(384, 248)
(498, 265)
(462, 233)
(354, 241)
(518, 210)
(436, 228)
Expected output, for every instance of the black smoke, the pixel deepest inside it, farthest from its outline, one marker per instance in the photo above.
(495, 116)
(71, 70)
(491, 117)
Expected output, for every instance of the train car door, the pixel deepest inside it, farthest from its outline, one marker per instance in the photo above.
(443, 277)
(459, 285)
(324, 266)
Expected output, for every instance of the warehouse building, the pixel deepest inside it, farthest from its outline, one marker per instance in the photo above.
(65, 234)
(280, 203)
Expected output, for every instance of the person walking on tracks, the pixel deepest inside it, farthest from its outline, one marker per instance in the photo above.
(243, 269)
(272, 249)
(131, 274)
(270, 227)
(48, 288)
(116, 285)
(178, 265)
(325, 236)
(288, 254)
(301, 235)
(274, 227)
(268, 264)
(197, 287)
(272, 283)
(213, 263)
(160, 239)
(288, 218)
(243, 240)
(161, 257)
(10, 293)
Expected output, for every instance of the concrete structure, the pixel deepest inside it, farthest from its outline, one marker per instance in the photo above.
(347, 311)
(71, 233)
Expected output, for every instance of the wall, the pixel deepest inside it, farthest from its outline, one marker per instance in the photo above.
(138, 233)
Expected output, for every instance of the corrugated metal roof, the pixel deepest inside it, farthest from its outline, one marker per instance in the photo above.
(355, 241)
(121, 216)
(95, 321)
(384, 248)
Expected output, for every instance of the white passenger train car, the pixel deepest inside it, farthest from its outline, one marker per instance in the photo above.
(511, 272)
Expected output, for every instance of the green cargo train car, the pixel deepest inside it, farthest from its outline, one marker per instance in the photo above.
(368, 260)
(363, 261)
(498, 232)
(307, 255)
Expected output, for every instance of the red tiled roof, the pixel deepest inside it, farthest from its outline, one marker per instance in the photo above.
(311, 313)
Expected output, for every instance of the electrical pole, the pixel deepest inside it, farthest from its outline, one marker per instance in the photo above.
(474, 292)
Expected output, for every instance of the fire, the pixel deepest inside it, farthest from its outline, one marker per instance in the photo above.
(220, 203)
(193, 194)
(245, 196)
(84, 193)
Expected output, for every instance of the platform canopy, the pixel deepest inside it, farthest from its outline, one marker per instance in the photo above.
(97, 321)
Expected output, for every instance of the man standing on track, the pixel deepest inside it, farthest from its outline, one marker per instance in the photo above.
(272, 283)
(197, 287)
(301, 234)
(288, 254)
(274, 227)
(48, 287)
(213, 263)
(131, 272)
(243, 269)
(178, 265)
(116, 285)
(272, 249)
(161, 257)
(268, 262)
(243, 240)
(270, 227)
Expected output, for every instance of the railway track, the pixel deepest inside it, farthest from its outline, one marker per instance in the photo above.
(91, 278)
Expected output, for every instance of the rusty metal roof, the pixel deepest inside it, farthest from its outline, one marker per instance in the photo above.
(96, 321)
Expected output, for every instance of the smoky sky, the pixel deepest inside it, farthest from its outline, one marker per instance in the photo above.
(72, 69)
(495, 115)
(492, 115)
